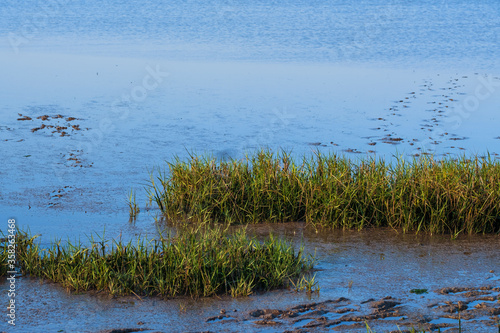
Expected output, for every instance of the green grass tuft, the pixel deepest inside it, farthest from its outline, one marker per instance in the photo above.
(435, 196)
(419, 291)
(4, 257)
(132, 205)
(200, 261)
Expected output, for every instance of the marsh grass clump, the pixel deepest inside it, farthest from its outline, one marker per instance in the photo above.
(132, 205)
(419, 291)
(200, 261)
(425, 194)
(4, 256)
(8, 255)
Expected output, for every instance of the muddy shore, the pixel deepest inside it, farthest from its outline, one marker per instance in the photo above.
(379, 277)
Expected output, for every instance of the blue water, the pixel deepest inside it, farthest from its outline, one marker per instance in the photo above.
(408, 33)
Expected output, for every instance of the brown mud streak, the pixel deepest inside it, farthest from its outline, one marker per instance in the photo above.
(347, 315)
(61, 128)
(124, 330)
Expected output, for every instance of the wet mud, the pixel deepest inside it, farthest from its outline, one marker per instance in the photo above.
(478, 306)
(59, 125)
(380, 277)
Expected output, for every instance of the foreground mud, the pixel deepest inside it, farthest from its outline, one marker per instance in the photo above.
(472, 309)
(478, 308)
(387, 279)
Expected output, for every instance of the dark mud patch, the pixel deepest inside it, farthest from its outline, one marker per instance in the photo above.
(266, 322)
(391, 140)
(124, 330)
(383, 305)
(23, 118)
(56, 195)
(352, 151)
(465, 304)
(470, 291)
(217, 318)
(75, 158)
(319, 144)
(55, 124)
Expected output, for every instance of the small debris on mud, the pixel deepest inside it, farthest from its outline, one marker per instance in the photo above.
(61, 126)
(124, 330)
(350, 150)
(75, 159)
(220, 317)
(446, 291)
(383, 305)
(23, 117)
(266, 322)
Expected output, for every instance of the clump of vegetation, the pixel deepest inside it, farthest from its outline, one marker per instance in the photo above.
(419, 291)
(435, 196)
(7, 252)
(132, 205)
(4, 256)
(200, 261)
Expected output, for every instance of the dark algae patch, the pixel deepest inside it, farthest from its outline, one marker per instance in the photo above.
(419, 291)
(199, 261)
(50, 125)
(436, 196)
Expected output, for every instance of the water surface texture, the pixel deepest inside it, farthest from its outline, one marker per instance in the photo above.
(94, 94)
(364, 31)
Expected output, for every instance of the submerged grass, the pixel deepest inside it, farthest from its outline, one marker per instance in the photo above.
(200, 261)
(132, 205)
(4, 257)
(435, 196)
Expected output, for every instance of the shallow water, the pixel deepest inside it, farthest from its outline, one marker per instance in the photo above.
(370, 264)
(146, 82)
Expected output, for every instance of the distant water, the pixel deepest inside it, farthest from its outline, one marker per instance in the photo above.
(461, 32)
